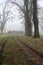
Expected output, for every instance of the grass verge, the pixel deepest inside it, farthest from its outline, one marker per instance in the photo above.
(36, 43)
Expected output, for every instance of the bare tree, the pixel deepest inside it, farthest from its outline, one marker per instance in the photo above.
(26, 12)
(5, 15)
(35, 19)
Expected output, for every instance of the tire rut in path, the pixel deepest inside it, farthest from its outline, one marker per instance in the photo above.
(30, 54)
(2, 45)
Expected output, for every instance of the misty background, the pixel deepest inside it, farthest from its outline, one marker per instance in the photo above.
(14, 23)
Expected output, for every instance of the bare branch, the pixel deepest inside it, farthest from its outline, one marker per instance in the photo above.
(19, 6)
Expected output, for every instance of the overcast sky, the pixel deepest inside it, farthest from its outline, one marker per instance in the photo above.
(16, 23)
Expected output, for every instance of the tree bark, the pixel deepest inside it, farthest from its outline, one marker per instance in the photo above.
(35, 19)
(28, 24)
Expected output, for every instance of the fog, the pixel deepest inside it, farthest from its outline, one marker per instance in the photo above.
(14, 22)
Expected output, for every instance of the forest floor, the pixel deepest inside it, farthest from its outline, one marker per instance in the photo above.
(21, 50)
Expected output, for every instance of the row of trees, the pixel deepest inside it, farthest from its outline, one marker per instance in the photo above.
(30, 15)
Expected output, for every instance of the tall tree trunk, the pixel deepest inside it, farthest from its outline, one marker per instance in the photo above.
(35, 19)
(28, 25)
(25, 26)
(1, 27)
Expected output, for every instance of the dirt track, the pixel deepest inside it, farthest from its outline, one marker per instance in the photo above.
(30, 54)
